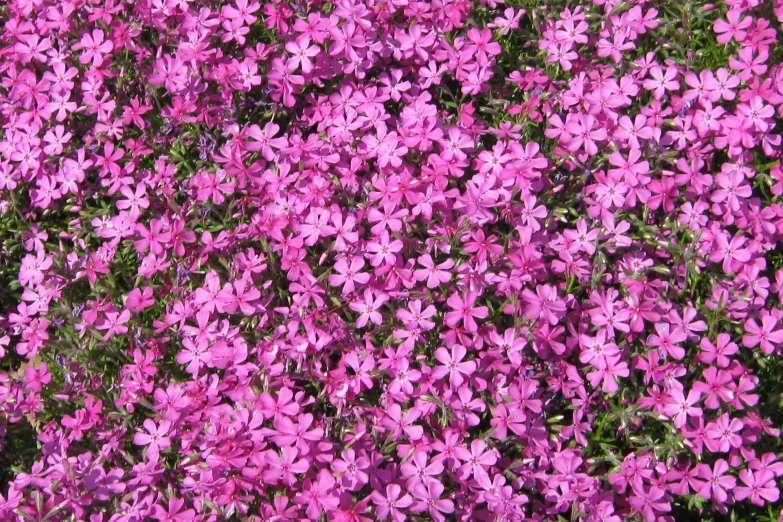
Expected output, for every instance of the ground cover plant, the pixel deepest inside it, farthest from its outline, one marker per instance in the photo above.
(391, 260)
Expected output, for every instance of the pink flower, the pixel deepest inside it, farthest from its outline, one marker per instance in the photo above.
(667, 340)
(633, 130)
(585, 133)
(318, 495)
(262, 140)
(732, 189)
(301, 53)
(429, 499)
(717, 352)
(391, 503)
(56, 139)
(155, 438)
(582, 238)
(353, 468)
(452, 365)
(734, 28)
(398, 423)
(615, 48)
(243, 11)
(316, 226)
(283, 469)
(32, 269)
(464, 311)
(415, 317)
(544, 304)
(767, 335)
(648, 502)
(679, 407)
(612, 367)
(383, 249)
(731, 253)
(716, 387)
(717, 482)
(349, 275)
(94, 48)
(135, 201)
(759, 486)
(419, 471)
(434, 274)
(662, 81)
(369, 308)
(113, 324)
(455, 145)
(169, 72)
(138, 300)
(723, 434)
(476, 460)
(174, 513)
(195, 355)
(595, 350)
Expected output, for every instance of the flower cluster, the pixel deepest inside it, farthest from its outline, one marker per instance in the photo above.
(390, 260)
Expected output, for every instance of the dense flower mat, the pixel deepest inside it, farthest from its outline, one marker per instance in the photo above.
(390, 260)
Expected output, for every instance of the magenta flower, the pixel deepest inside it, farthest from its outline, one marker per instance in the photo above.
(465, 311)
(429, 499)
(352, 468)
(138, 300)
(103, 485)
(94, 47)
(263, 140)
(667, 340)
(649, 502)
(544, 304)
(723, 434)
(301, 53)
(415, 317)
(384, 249)
(398, 423)
(135, 201)
(434, 274)
(476, 460)
(582, 238)
(678, 407)
(349, 275)
(391, 503)
(32, 270)
(365, 260)
(732, 189)
(114, 323)
(717, 386)
(299, 432)
(174, 512)
(318, 496)
(284, 469)
(452, 365)
(717, 484)
(759, 486)
(765, 336)
(731, 252)
(585, 134)
(315, 226)
(612, 367)
(155, 438)
(662, 81)
(368, 309)
(195, 354)
(734, 28)
(419, 471)
(718, 353)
